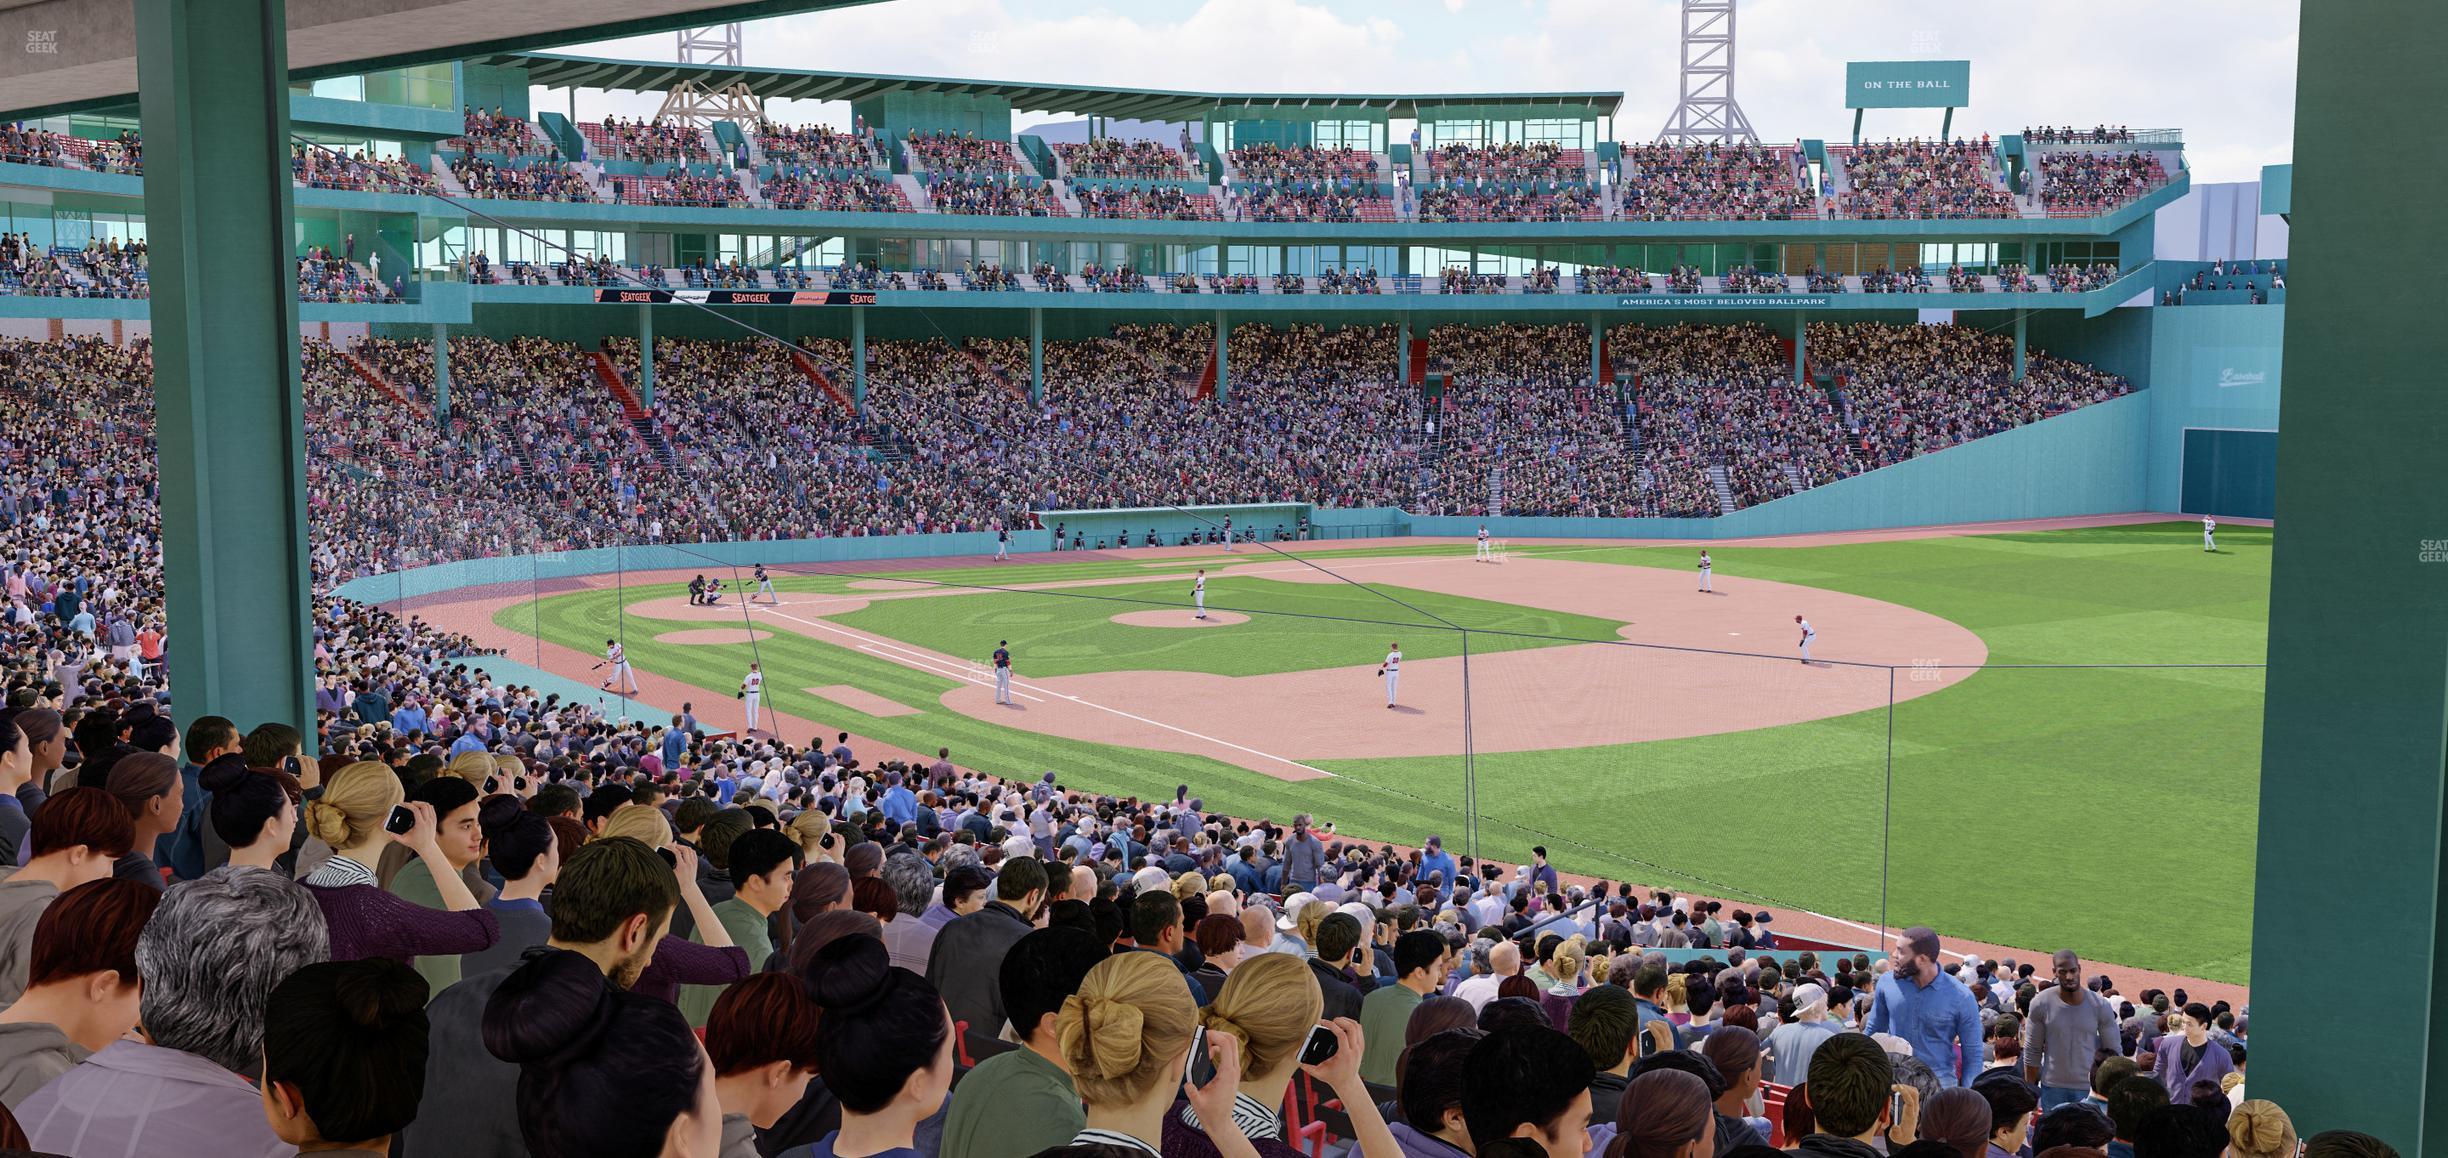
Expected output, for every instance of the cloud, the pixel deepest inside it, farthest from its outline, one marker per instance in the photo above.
(2231, 87)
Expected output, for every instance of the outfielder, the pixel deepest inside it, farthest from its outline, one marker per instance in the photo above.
(1198, 593)
(1486, 554)
(1808, 634)
(618, 658)
(1705, 567)
(1391, 669)
(1002, 543)
(765, 585)
(752, 689)
(1002, 670)
(2209, 533)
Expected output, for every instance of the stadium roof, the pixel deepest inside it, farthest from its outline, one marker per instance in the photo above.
(557, 71)
(88, 47)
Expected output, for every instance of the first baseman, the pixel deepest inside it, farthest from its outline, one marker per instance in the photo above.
(1808, 634)
(1705, 567)
(1391, 669)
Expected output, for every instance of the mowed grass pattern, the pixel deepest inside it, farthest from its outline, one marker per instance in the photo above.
(2032, 807)
(1292, 626)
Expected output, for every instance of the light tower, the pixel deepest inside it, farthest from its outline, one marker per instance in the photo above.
(692, 103)
(1708, 113)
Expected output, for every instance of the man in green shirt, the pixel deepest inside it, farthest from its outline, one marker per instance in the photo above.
(762, 861)
(1021, 1101)
(1421, 960)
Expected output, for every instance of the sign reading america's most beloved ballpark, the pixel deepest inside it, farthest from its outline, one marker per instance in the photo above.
(1728, 301)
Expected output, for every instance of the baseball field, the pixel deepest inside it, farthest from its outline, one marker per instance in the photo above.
(2028, 739)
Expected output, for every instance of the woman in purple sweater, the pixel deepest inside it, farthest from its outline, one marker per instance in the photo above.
(365, 921)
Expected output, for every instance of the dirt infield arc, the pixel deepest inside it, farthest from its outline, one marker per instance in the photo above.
(1689, 664)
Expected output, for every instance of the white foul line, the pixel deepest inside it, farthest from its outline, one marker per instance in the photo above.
(930, 664)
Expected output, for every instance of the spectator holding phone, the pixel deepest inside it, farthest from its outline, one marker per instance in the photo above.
(1271, 1004)
(359, 814)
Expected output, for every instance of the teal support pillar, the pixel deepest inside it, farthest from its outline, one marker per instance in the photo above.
(2021, 316)
(858, 360)
(1801, 340)
(442, 383)
(645, 390)
(1597, 331)
(2355, 704)
(228, 404)
(1223, 358)
(1036, 357)
(1402, 349)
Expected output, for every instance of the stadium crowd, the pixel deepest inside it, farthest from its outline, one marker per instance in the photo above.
(1917, 179)
(329, 169)
(650, 142)
(1130, 160)
(820, 146)
(498, 132)
(996, 196)
(1541, 161)
(2084, 184)
(1715, 182)
(960, 155)
(854, 193)
(541, 181)
(1155, 202)
(1281, 164)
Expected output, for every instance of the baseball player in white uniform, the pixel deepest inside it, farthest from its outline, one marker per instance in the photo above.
(1198, 593)
(1808, 634)
(2209, 533)
(1391, 669)
(1485, 555)
(765, 585)
(1705, 568)
(617, 658)
(752, 689)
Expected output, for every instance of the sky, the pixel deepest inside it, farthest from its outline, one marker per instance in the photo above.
(2221, 70)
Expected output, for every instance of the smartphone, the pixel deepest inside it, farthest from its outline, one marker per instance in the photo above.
(1202, 1067)
(1895, 1109)
(670, 859)
(1649, 1040)
(1322, 1044)
(400, 820)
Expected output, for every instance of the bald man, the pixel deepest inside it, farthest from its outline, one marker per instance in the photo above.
(1083, 882)
(1257, 931)
(1503, 960)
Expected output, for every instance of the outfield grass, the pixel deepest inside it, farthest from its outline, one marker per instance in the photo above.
(1292, 627)
(2037, 808)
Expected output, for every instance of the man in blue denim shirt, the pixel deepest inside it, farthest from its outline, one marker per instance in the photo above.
(1929, 1008)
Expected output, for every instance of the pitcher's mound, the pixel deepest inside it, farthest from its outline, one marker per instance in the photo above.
(1179, 619)
(715, 635)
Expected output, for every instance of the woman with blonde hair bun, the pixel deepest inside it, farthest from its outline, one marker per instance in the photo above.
(815, 836)
(640, 822)
(1126, 1037)
(1271, 1004)
(366, 921)
(2259, 1129)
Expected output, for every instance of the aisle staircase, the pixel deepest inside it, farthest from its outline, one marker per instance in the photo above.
(915, 193)
(1793, 478)
(1495, 495)
(1207, 379)
(1724, 487)
(1419, 361)
(367, 371)
(988, 372)
(649, 432)
(808, 368)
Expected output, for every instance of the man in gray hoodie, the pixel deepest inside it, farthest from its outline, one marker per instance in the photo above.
(1304, 857)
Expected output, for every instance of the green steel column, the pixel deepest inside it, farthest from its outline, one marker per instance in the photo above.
(1036, 356)
(1223, 330)
(2020, 317)
(441, 355)
(645, 390)
(227, 398)
(1801, 369)
(1597, 347)
(858, 360)
(2352, 803)
(1402, 349)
